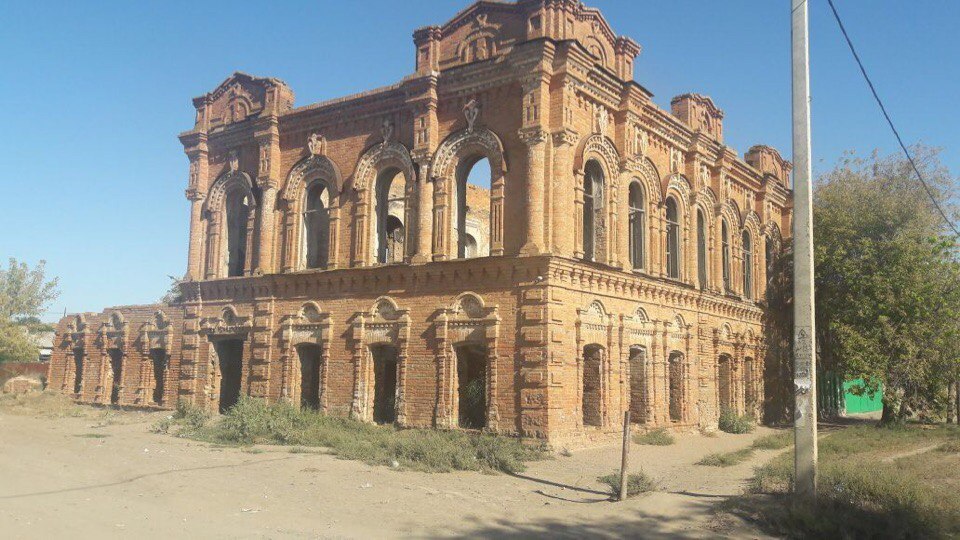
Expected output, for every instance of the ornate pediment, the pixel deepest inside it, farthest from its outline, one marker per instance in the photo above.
(309, 325)
(155, 334)
(240, 97)
(228, 323)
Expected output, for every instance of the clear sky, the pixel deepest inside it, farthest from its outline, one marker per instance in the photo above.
(94, 94)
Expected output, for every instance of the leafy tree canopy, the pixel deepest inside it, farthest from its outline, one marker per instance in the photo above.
(24, 292)
(888, 278)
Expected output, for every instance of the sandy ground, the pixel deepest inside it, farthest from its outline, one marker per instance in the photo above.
(57, 480)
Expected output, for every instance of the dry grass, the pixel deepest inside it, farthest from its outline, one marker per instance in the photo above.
(252, 421)
(45, 404)
(726, 459)
(873, 484)
(637, 483)
(656, 437)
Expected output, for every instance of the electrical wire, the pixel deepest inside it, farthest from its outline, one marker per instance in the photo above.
(893, 128)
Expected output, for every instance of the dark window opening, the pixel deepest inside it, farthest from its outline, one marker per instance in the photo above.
(673, 239)
(316, 224)
(238, 214)
(390, 213)
(593, 205)
(747, 266)
(701, 250)
(636, 223)
(725, 250)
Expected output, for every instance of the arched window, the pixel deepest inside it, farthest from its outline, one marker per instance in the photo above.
(673, 239)
(768, 256)
(316, 225)
(701, 249)
(471, 216)
(747, 266)
(725, 250)
(592, 209)
(390, 213)
(238, 215)
(636, 223)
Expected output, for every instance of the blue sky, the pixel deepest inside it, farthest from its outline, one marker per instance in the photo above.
(94, 94)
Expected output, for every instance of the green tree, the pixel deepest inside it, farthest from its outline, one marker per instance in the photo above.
(887, 279)
(24, 292)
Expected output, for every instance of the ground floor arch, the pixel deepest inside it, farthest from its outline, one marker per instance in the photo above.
(471, 385)
(310, 364)
(593, 385)
(385, 364)
(228, 372)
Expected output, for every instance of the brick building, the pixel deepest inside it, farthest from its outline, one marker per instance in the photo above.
(615, 260)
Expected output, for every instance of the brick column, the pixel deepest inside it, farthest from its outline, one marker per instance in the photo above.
(268, 178)
(562, 185)
(196, 193)
(423, 248)
(534, 138)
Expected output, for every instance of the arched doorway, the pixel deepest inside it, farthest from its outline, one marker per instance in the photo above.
(158, 361)
(77, 370)
(472, 385)
(116, 374)
(471, 209)
(593, 385)
(229, 371)
(725, 382)
(309, 355)
(385, 359)
(676, 386)
(638, 393)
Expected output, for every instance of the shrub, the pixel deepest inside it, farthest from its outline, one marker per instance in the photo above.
(656, 437)
(637, 483)
(253, 421)
(190, 415)
(731, 422)
(726, 459)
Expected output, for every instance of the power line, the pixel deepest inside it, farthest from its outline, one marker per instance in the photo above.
(893, 128)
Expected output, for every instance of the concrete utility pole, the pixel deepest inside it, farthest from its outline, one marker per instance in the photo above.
(804, 336)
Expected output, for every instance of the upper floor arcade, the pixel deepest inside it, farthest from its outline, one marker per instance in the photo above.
(580, 163)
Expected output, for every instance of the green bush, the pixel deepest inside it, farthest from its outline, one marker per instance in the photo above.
(656, 437)
(731, 422)
(637, 483)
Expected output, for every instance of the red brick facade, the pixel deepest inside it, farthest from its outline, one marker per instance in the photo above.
(622, 267)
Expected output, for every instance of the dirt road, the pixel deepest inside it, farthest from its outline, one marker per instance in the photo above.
(107, 475)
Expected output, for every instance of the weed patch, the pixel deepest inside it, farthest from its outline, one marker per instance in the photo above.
(253, 421)
(656, 437)
(731, 422)
(726, 459)
(776, 441)
(637, 483)
(862, 493)
(92, 435)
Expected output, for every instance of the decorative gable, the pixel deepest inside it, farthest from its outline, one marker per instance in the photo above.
(241, 97)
